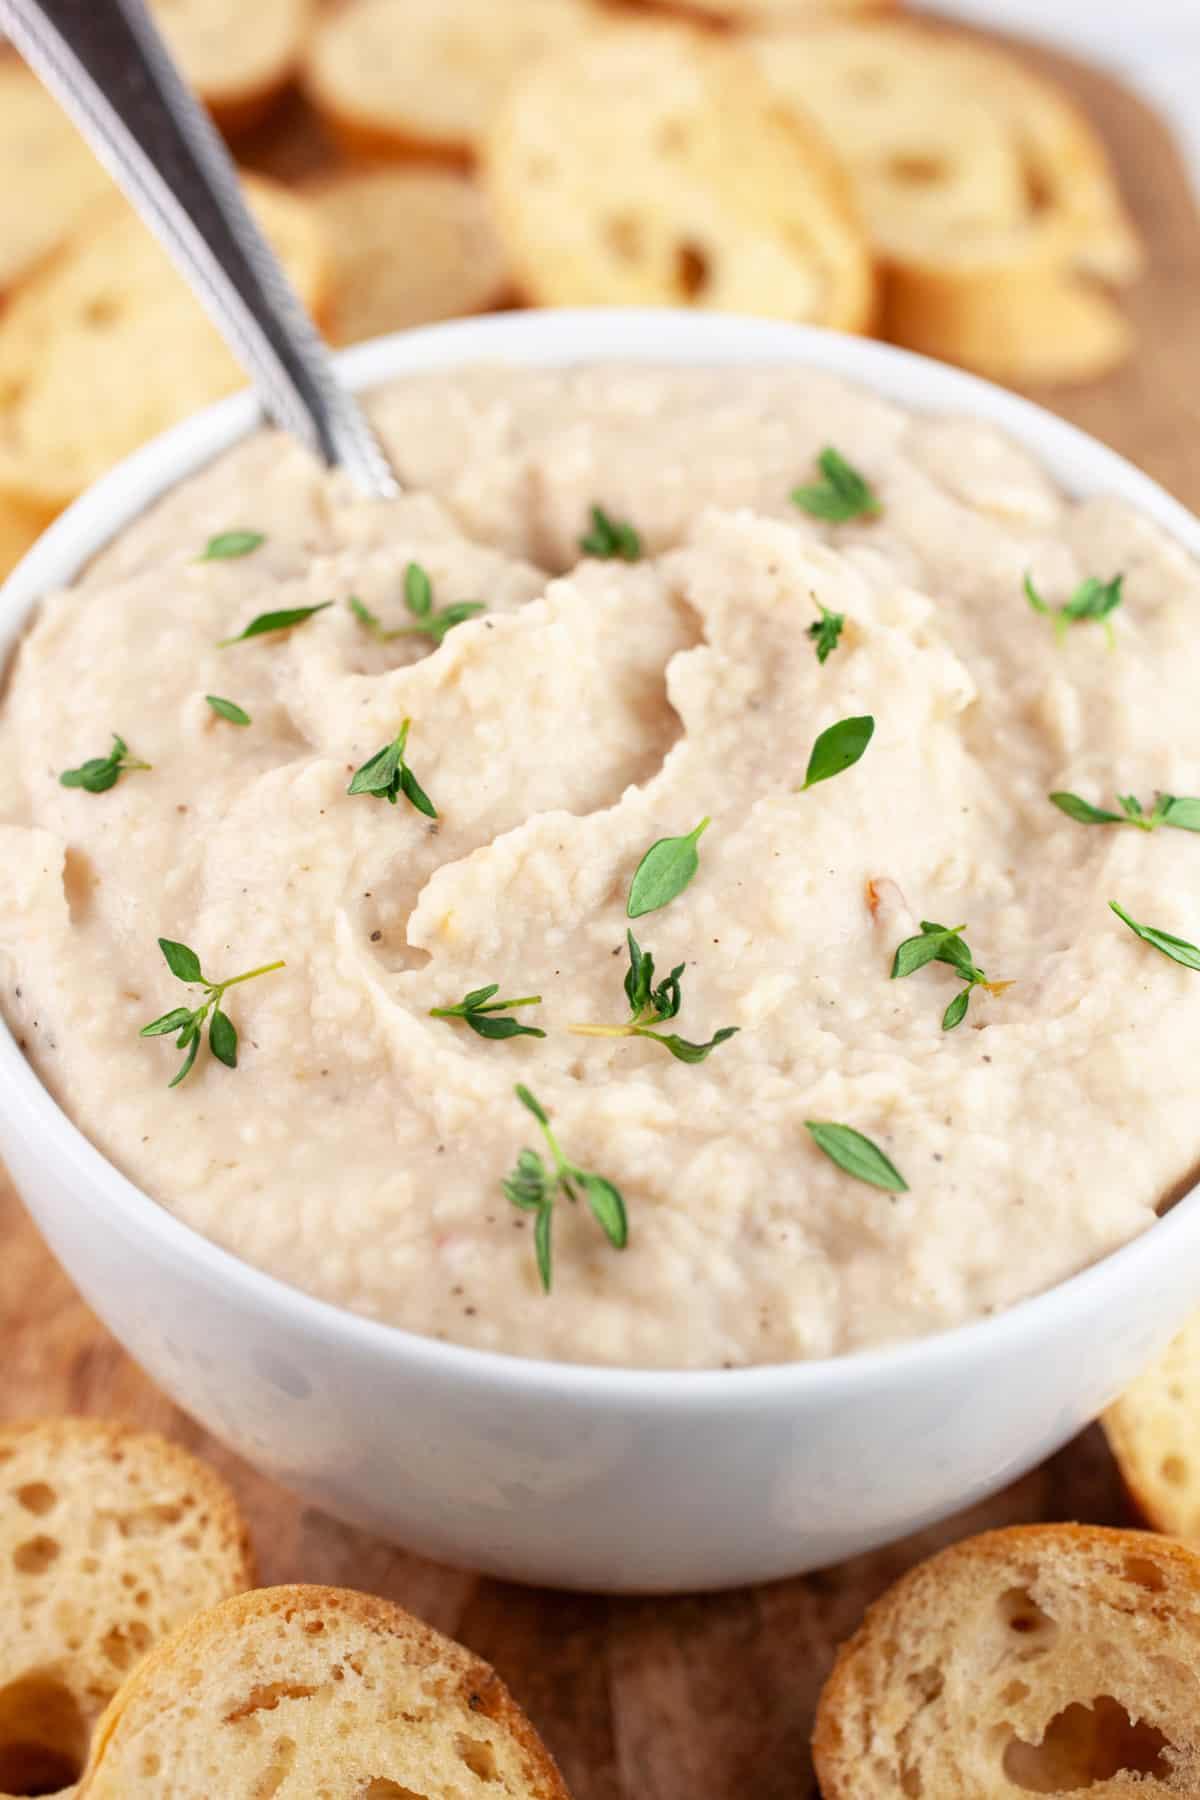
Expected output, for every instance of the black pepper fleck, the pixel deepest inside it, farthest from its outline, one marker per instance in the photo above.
(376, 936)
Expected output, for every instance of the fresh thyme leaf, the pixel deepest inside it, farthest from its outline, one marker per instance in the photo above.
(651, 1005)
(100, 773)
(826, 631)
(1092, 599)
(418, 591)
(838, 749)
(1183, 814)
(686, 1052)
(1168, 809)
(664, 871)
(1178, 949)
(841, 495)
(915, 952)
(475, 1009)
(532, 1187)
(857, 1155)
(365, 616)
(190, 1022)
(228, 709)
(181, 961)
(956, 1012)
(610, 538)
(387, 775)
(274, 621)
(222, 1038)
(231, 543)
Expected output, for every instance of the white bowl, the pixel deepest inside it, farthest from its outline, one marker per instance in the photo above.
(572, 1476)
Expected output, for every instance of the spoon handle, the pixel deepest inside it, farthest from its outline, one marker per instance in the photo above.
(110, 70)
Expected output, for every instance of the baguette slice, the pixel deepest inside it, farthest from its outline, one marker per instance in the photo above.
(1042, 1659)
(650, 165)
(19, 528)
(239, 58)
(51, 179)
(426, 75)
(989, 197)
(110, 1538)
(1154, 1433)
(104, 347)
(408, 246)
(303, 1691)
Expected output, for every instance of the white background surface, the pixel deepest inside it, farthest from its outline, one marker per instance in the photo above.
(1152, 44)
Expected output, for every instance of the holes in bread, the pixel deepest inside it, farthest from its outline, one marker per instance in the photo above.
(37, 1497)
(479, 1757)
(1174, 1471)
(123, 1645)
(918, 171)
(1144, 1574)
(283, 1758)
(1020, 1613)
(1084, 1745)
(1039, 189)
(36, 1555)
(693, 271)
(626, 238)
(266, 1697)
(383, 1789)
(43, 1737)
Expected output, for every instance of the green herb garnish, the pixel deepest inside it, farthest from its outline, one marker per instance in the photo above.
(651, 1005)
(1092, 599)
(189, 1023)
(610, 538)
(229, 544)
(100, 773)
(274, 621)
(826, 631)
(532, 1187)
(842, 495)
(480, 1016)
(838, 749)
(1167, 810)
(228, 709)
(943, 944)
(388, 775)
(418, 597)
(664, 871)
(1178, 949)
(857, 1155)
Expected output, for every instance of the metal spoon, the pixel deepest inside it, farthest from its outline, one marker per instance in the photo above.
(110, 70)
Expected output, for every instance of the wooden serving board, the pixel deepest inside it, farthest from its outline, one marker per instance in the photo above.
(711, 1696)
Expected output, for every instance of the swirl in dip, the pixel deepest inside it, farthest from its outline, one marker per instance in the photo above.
(595, 706)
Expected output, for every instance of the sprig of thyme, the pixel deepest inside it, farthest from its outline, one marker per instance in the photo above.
(842, 493)
(100, 773)
(532, 1187)
(944, 944)
(609, 538)
(188, 1021)
(1092, 599)
(826, 631)
(418, 598)
(478, 1010)
(387, 775)
(1168, 809)
(651, 1004)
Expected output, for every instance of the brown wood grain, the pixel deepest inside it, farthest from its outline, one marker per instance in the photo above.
(713, 1696)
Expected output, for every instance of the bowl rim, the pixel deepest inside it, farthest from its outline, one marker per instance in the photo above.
(1077, 462)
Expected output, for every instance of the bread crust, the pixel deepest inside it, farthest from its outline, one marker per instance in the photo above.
(1152, 1432)
(474, 1690)
(1084, 1619)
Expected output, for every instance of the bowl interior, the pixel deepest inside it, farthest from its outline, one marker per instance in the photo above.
(1080, 465)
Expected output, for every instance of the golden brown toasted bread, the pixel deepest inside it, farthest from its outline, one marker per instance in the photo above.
(110, 1537)
(648, 164)
(408, 245)
(239, 58)
(1154, 1433)
(1042, 1659)
(426, 75)
(299, 1691)
(989, 197)
(51, 183)
(105, 346)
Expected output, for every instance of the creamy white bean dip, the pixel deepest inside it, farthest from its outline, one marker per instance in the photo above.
(359, 1147)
